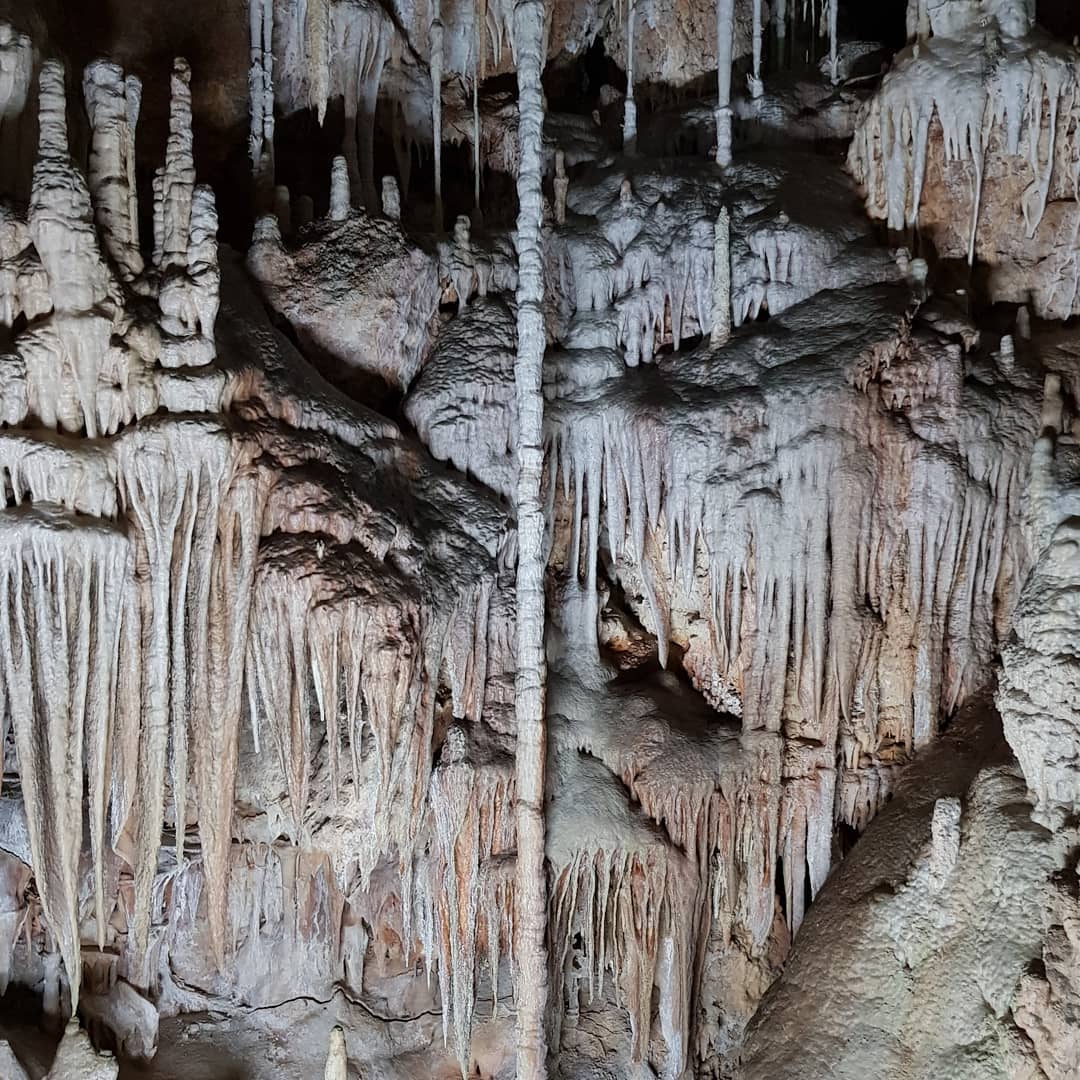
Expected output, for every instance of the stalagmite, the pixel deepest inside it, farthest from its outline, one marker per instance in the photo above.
(391, 198)
(757, 87)
(725, 34)
(189, 295)
(463, 262)
(172, 200)
(629, 106)
(283, 209)
(61, 225)
(561, 185)
(436, 32)
(530, 926)
(9, 1064)
(305, 211)
(112, 104)
(76, 1059)
(721, 305)
(337, 1059)
(339, 189)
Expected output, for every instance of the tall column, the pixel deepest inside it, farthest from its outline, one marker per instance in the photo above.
(530, 923)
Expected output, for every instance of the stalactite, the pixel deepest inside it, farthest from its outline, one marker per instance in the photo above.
(977, 104)
(629, 106)
(470, 880)
(725, 32)
(620, 891)
(436, 32)
(834, 55)
(261, 96)
(316, 30)
(476, 145)
(60, 598)
(757, 87)
(172, 492)
(361, 37)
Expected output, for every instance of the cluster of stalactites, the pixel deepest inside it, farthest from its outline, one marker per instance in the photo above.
(855, 638)
(1038, 692)
(466, 902)
(955, 18)
(629, 911)
(1016, 98)
(133, 681)
(362, 658)
(61, 590)
(327, 49)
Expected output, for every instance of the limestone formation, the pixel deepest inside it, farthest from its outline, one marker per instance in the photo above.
(600, 603)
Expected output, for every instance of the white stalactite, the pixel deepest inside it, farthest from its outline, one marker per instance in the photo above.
(261, 96)
(476, 140)
(629, 106)
(756, 86)
(361, 39)
(436, 112)
(60, 594)
(834, 55)
(725, 38)
(945, 84)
